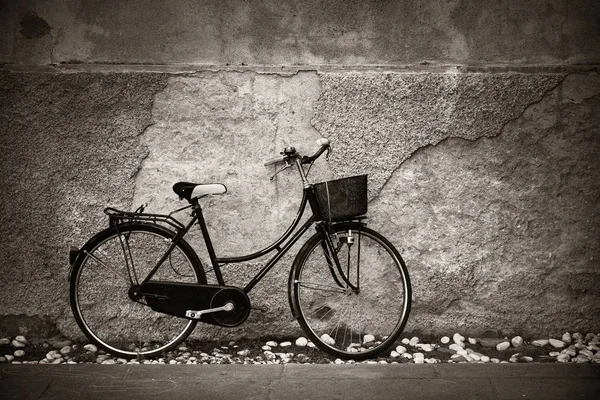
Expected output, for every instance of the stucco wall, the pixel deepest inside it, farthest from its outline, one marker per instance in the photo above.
(477, 124)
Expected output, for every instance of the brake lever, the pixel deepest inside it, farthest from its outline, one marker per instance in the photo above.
(287, 165)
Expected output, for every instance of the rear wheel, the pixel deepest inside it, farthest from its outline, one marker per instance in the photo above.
(356, 311)
(104, 286)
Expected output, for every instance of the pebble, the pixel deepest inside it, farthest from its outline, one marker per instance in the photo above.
(394, 354)
(21, 339)
(473, 341)
(563, 358)
(405, 341)
(458, 338)
(301, 342)
(325, 338)
(485, 359)
(9, 357)
(4, 341)
(425, 347)
(91, 348)
(566, 337)
(2, 359)
(401, 349)
(271, 343)
(502, 346)
(285, 344)
(456, 347)
(17, 343)
(540, 342)
(243, 353)
(557, 343)
(413, 341)
(445, 340)
(65, 350)
(19, 353)
(517, 341)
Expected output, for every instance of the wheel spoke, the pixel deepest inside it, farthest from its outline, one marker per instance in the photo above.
(107, 267)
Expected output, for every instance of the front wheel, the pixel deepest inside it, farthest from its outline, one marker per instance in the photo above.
(355, 309)
(104, 289)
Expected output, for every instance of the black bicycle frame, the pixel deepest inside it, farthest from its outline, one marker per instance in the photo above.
(282, 248)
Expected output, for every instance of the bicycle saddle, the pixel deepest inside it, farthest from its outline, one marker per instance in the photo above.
(188, 190)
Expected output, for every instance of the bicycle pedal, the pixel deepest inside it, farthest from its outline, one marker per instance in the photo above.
(260, 308)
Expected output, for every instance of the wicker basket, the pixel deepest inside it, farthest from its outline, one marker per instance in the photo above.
(342, 199)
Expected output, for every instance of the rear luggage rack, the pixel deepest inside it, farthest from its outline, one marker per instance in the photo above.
(119, 217)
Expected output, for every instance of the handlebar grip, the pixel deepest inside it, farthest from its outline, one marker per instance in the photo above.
(273, 160)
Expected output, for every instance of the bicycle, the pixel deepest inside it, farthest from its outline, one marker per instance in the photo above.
(138, 289)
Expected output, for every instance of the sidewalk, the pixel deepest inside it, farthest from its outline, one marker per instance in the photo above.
(297, 381)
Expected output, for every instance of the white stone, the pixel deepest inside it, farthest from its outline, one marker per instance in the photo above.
(540, 342)
(91, 348)
(2, 359)
(563, 358)
(272, 343)
(566, 337)
(394, 354)
(4, 341)
(9, 357)
(517, 341)
(425, 347)
(413, 341)
(419, 361)
(408, 356)
(527, 359)
(243, 353)
(266, 348)
(325, 338)
(368, 338)
(581, 359)
(401, 349)
(495, 360)
(445, 340)
(587, 353)
(557, 343)
(311, 345)
(462, 352)
(475, 356)
(405, 341)
(578, 336)
(419, 355)
(554, 353)
(472, 340)
(458, 338)
(19, 353)
(16, 343)
(21, 339)
(456, 347)
(485, 359)
(502, 346)
(338, 361)
(65, 350)
(285, 344)
(301, 342)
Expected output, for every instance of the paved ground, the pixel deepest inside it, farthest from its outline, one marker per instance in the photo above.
(295, 381)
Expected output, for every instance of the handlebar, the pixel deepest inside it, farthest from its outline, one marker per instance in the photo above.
(291, 152)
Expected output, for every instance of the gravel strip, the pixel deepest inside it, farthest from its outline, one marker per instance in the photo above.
(490, 347)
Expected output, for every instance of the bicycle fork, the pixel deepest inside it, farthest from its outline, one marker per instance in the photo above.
(342, 278)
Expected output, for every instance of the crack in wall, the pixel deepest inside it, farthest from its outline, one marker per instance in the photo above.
(499, 132)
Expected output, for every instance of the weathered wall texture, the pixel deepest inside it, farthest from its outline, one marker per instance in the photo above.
(477, 124)
(290, 32)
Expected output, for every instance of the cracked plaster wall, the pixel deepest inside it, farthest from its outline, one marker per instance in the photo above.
(487, 183)
(476, 121)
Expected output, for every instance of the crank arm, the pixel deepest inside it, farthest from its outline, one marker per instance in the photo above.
(197, 314)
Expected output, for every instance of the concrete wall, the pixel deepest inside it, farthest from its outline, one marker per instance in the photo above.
(476, 121)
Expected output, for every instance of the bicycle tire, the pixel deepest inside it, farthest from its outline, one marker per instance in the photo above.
(359, 324)
(100, 283)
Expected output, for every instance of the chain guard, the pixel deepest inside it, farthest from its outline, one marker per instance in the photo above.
(176, 298)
